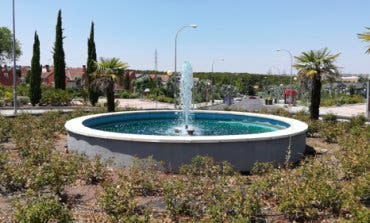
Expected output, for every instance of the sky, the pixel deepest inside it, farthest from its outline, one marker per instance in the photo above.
(244, 33)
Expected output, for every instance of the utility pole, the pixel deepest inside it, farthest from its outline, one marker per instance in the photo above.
(14, 65)
(155, 60)
(368, 100)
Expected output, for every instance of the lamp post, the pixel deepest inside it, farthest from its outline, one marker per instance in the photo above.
(175, 70)
(212, 80)
(214, 61)
(14, 65)
(291, 72)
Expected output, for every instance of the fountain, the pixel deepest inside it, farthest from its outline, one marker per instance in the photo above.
(186, 91)
(175, 137)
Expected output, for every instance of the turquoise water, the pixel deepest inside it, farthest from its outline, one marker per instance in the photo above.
(202, 126)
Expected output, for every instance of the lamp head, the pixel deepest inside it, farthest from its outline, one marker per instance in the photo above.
(194, 26)
(278, 50)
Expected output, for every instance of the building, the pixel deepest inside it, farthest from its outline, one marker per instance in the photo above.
(6, 75)
(75, 76)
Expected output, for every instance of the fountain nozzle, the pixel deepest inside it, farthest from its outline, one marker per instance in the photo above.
(190, 131)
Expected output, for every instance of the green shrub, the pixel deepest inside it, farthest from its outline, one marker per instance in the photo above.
(341, 100)
(186, 196)
(117, 200)
(55, 97)
(95, 171)
(52, 122)
(355, 155)
(358, 121)
(207, 167)
(313, 128)
(5, 128)
(306, 192)
(164, 99)
(124, 94)
(143, 174)
(281, 112)
(31, 139)
(3, 159)
(42, 209)
(331, 132)
(261, 168)
(56, 174)
(234, 203)
(194, 193)
(331, 118)
(14, 177)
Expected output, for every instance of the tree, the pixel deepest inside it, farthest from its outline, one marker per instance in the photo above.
(365, 37)
(107, 73)
(316, 65)
(91, 66)
(35, 74)
(59, 60)
(6, 46)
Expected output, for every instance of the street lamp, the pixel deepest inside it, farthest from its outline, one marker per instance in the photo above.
(214, 61)
(291, 72)
(14, 65)
(212, 79)
(177, 34)
(175, 70)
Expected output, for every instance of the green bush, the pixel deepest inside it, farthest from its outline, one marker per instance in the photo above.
(117, 201)
(306, 192)
(331, 132)
(331, 118)
(358, 121)
(55, 97)
(186, 196)
(234, 204)
(313, 128)
(207, 167)
(261, 168)
(5, 128)
(194, 193)
(95, 171)
(42, 209)
(164, 99)
(55, 174)
(341, 100)
(143, 174)
(355, 154)
(13, 176)
(126, 94)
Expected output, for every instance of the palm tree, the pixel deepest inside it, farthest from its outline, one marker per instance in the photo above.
(109, 71)
(316, 65)
(365, 37)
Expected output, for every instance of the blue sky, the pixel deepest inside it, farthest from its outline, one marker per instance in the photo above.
(245, 33)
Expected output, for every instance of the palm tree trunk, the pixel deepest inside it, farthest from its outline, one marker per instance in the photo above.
(110, 96)
(315, 97)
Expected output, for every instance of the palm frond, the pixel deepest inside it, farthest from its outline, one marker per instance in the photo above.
(365, 37)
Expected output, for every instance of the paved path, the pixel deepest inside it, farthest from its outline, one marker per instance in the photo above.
(143, 104)
(342, 111)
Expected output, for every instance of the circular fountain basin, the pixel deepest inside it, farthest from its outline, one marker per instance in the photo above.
(239, 138)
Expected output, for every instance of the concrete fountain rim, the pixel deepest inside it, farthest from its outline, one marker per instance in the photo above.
(296, 127)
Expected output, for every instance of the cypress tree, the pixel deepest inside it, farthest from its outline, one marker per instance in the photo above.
(91, 67)
(59, 61)
(35, 78)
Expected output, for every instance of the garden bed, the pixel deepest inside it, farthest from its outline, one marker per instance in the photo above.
(41, 179)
